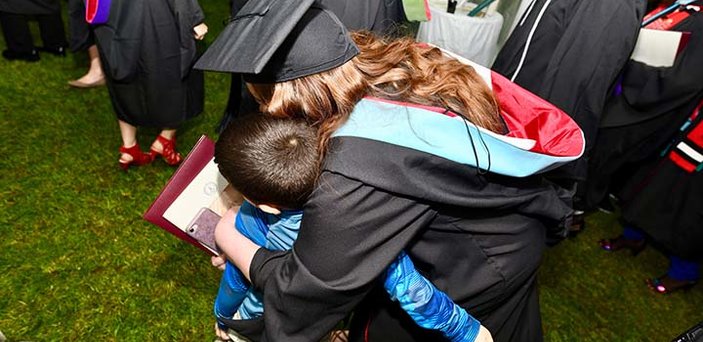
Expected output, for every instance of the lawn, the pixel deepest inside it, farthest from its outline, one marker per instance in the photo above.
(78, 262)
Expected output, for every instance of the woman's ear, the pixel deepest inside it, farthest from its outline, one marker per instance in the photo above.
(269, 209)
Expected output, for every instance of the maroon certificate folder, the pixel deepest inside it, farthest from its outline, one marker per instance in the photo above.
(201, 154)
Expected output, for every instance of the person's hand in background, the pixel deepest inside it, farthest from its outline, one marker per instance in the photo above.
(200, 31)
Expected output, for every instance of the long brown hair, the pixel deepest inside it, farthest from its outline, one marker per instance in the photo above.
(399, 69)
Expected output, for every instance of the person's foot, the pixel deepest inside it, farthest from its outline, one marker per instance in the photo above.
(578, 223)
(666, 284)
(166, 148)
(57, 51)
(88, 81)
(133, 156)
(31, 56)
(606, 206)
(620, 242)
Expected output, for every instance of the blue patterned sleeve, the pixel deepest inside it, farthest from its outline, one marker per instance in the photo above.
(429, 307)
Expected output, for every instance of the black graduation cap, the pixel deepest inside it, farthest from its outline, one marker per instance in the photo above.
(279, 40)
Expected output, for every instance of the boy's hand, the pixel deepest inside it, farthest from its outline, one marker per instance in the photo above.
(222, 334)
(200, 31)
(218, 261)
(483, 335)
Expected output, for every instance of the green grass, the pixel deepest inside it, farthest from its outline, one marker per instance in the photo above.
(78, 263)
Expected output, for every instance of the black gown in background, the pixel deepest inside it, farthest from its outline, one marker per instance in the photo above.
(15, 28)
(147, 50)
(30, 7)
(573, 58)
(665, 200)
(640, 122)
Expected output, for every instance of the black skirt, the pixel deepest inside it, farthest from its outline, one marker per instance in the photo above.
(156, 94)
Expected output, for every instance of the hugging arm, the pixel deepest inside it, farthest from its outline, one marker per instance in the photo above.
(429, 307)
(350, 233)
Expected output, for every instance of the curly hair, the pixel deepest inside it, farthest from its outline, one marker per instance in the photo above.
(399, 70)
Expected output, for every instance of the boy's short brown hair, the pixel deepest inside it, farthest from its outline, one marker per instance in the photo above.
(269, 160)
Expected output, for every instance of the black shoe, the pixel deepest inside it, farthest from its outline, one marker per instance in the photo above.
(578, 223)
(606, 206)
(620, 242)
(57, 51)
(10, 55)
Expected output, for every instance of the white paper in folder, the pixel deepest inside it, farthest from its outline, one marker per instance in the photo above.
(659, 48)
(201, 192)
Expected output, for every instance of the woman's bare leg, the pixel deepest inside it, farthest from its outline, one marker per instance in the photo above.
(129, 139)
(95, 75)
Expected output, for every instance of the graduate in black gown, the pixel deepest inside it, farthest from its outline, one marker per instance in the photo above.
(14, 15)
(474, 231)
(645, 156)
(147, 49)
(570, 53)
(639, 122)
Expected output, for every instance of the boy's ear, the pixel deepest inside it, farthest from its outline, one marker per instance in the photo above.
(268, 209)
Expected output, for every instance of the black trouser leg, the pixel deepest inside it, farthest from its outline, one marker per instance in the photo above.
(79, 31)
(15, 29)
(52, 31)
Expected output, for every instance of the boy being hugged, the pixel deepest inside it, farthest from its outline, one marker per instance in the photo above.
(274, 164)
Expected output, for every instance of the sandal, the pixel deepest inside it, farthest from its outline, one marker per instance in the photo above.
(620, 242)
(665, 284)
(168, 150)
(138, 157)
(339, 336)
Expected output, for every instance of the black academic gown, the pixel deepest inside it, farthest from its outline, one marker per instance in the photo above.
(639, 123)
(478, 237)
(673, 223)
(574, 57)
(147, 50)
(368, 207)
(30, 7)
(379, 16)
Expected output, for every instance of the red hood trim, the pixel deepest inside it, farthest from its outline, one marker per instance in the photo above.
(527, 116)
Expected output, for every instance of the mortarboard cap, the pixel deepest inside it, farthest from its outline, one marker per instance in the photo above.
(279, 40)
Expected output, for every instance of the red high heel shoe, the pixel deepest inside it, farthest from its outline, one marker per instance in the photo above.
(168, 151)
(138, 157)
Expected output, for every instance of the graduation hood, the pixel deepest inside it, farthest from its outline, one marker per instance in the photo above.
(540, 137)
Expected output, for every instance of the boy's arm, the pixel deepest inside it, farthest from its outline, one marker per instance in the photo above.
(429, 307)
